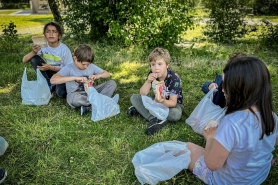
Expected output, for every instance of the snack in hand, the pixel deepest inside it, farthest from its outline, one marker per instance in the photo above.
(211, 123)
(39, 40)
(88, 84)
(159, 89)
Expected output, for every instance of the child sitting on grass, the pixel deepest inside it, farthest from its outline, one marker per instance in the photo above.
(78, 73)
(49, 60)
(239, 150)
(218, 96)
(159, 60)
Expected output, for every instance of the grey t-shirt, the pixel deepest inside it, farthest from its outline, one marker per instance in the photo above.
(72, 70)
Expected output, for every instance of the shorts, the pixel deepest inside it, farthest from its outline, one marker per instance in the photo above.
(201, 171)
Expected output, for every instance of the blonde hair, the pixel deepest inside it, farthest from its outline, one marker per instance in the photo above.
(84, 53)
(158, 53)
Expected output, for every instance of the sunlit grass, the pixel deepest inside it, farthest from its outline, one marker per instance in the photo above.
(53, 144)
(26, 21)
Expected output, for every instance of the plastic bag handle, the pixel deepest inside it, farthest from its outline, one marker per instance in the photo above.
(209, 95)
(24, 80)
(40, 77)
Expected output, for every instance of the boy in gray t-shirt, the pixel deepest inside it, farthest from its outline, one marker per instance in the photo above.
(82, 71)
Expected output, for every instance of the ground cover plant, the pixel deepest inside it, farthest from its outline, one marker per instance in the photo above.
(53, 144)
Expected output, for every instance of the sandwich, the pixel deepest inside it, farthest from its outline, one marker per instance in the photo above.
(211, 123)
(87, 84)
(39, 40)
(159, 89)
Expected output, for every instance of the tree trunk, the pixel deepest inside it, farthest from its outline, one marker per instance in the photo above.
(54, 7)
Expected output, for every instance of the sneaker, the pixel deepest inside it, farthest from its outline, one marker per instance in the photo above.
(3, 175)
(131, 111)
(52, 88)
(155, 125)
(85, 110)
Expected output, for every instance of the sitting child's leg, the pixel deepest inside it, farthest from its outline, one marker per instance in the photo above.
(175, 113)
(38, 61)
(61, 90)
(78, 99)
(136, 101)
(107, 88)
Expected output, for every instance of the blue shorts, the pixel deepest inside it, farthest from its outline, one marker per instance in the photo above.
(201, 171)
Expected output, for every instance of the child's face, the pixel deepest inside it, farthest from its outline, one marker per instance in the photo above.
(51, 34)
(81, 65)
(160, 68)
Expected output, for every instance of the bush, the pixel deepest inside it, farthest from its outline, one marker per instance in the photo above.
(226, 22)
(269, 35)
(265, 7)
(9, 41)
(148, 22)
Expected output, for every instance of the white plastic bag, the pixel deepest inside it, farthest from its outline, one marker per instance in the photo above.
(205, 111)
(102, 106)
(161, 161)
(156, 109)
(35, 92)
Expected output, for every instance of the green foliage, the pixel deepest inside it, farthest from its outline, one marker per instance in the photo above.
(269, 35)
(9, 38)
(148, 22)
(226, 22)
(265, 7)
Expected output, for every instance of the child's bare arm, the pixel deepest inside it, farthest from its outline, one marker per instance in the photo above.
(34, 51)
(104, 74)
(215, 154)
(59, 79)
(145, 89)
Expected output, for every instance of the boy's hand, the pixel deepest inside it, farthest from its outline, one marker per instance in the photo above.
(36, 48)
(162, 98)
(44, 67)
(152, 77)
(94, 77)
(81, 79)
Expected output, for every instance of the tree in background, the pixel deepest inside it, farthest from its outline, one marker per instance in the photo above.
(54, 7)
(13, 3)
(226, 20)
(149, 22)
(265, 7)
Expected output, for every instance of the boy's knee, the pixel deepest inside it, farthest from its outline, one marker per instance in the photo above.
(112, 83)
(174, 116)
(134, 98)
(61, 94)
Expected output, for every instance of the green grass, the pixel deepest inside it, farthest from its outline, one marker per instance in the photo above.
(26, 21)
(53, 144)
(7, 12)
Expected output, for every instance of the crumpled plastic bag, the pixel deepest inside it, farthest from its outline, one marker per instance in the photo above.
(161, 161)
(35, 92)
(102, 106)
(156, 109)
(205, 111)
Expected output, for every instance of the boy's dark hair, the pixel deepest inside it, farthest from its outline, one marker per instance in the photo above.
(236, 55)
(57, 26)
(247, 83)
(160, 53)
(84, 53)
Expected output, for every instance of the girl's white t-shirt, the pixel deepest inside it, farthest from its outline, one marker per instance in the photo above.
(250, 158)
